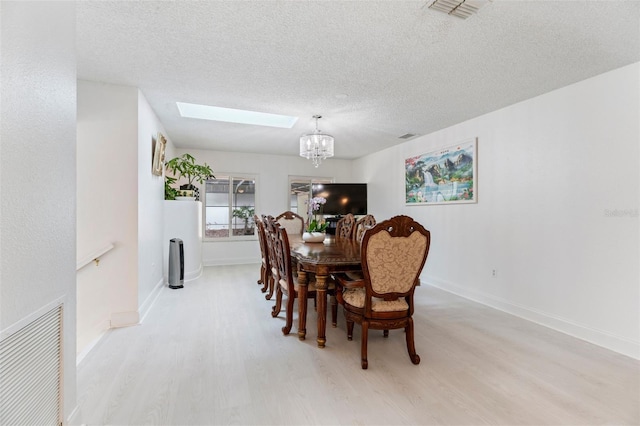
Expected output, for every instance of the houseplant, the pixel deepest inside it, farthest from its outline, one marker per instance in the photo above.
(170, 192)
(185, 166)
(315, 231)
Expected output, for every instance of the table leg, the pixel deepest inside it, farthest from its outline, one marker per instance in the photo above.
(302, 304)
(321, 295)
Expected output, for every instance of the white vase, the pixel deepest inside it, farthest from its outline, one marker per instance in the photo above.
(313, 237)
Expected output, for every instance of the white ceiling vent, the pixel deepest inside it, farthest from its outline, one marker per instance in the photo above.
(460, 8)
(407, 136)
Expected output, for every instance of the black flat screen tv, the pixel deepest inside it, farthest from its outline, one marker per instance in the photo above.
(342, 198)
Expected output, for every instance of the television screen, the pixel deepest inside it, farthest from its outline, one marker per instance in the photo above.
(342, 198)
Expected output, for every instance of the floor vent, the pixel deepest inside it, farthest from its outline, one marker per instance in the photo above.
(30, 367)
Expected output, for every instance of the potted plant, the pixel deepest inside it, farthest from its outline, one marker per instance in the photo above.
(315, 231)
(170, 193)
(185, 166)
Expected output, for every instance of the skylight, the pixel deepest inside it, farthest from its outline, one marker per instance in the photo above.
(230, 115)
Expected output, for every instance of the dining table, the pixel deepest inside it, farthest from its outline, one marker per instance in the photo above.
(322, 259)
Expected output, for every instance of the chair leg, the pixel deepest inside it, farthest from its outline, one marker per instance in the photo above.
(411, 347)
(385, 333)
(270, 284)
(261, 279)
(275, 311)
(349, 329)
(264, 280)
(289, 315)
(363, 351)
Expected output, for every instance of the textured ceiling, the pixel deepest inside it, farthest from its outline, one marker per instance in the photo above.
(375, 70)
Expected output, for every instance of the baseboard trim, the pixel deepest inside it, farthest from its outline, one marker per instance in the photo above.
(124, 319)
(74, 417)
(236, 261)
(193, 275)
(150, 300)
(601, 338)
(99, 331)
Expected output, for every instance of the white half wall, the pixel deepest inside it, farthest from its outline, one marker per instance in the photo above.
(557, 216)
(38, 171)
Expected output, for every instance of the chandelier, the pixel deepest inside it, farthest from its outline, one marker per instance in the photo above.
(316, 146)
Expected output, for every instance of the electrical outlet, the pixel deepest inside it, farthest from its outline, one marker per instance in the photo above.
(494, 273)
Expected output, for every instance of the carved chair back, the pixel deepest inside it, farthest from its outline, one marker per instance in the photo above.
(345, 227)
(362, 225)
(393, 254)
(291, 222)
(265, 269)
(270, 226)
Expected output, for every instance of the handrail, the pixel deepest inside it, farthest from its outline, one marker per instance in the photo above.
(93, 257)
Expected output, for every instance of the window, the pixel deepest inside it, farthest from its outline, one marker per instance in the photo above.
(300, 190)
(230, 203)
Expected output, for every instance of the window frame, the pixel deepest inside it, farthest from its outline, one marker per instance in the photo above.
(303, 179)
(231, 177)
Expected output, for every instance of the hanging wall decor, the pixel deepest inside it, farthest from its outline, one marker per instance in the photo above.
(158, 147)
(444, 176)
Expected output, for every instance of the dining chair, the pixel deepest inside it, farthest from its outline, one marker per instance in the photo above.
(265, 265)
(287, 283)
(270, 228)
(393, 254)
(362, 224)
(345, 227)
(292, 222)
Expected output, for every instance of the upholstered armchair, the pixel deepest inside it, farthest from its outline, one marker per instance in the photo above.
(393, 254)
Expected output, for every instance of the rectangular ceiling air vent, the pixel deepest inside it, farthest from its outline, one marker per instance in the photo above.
(407, 136)
(459, 8)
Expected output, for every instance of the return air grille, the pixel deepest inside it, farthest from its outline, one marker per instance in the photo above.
(459, 8)
(30, 366)
(407, 136)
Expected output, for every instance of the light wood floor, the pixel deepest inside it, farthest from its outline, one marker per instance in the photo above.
(211, 354)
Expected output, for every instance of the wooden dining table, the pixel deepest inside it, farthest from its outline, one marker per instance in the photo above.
(322, 259)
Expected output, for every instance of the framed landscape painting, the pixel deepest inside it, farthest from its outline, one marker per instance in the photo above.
(158, 148)
(444, 176)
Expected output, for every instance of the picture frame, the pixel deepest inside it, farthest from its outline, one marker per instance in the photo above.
(158, 148)
(448, 175)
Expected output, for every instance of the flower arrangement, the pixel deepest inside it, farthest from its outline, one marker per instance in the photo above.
(315, 208)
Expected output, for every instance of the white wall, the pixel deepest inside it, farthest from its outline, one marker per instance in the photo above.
(37, 171)
(273, 173)
(150, 208)
(121, 202)
(557, 216)
(107, 157)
